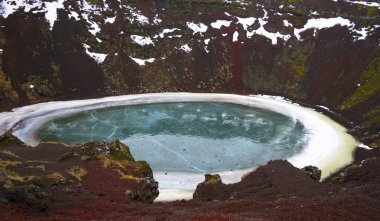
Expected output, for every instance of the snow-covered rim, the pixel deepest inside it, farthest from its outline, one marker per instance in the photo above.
(330, 147)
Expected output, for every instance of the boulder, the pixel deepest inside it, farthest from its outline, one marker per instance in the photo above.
(313, 172)
(212, 184)
(147, 192)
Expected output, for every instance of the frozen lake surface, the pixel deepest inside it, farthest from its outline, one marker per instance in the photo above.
(197, 133)
(195, 137)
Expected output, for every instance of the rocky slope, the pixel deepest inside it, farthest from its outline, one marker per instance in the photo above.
(316, 52)
(52, 176)
(323, 53)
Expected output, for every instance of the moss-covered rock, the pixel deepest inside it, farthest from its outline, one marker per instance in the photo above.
(367, 85)
(9, 138)
(212, 179)
(115, 150)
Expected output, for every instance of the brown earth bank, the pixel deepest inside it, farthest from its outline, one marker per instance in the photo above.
(101, 181)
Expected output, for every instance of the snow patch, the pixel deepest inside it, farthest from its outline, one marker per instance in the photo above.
(157, 20)
(51, 14)
(324, 107)
(165, 31)
(366, 3)
(141, 40)
(49, 8)
(186, 48)
(272, 36)
(246, 22)
(74, 15)
(219, 23)
(142, 62)
(200, 27)
(321, 23)
(110, 20)
(287, 23)
(94, 28)
(206, 41)
(364, 146)
(363, 33)
(137, 16)
(235, 36)
(98, 57)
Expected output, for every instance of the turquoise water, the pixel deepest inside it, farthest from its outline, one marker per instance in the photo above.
(187, 137)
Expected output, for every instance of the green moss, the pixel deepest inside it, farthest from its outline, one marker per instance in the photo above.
(212, 179)
(7, 94)
(9, 138)
(299, 71)
(120, 151)
(143, 169)
(369, 85)
(336, 179)
(372, 112)
(372, 11)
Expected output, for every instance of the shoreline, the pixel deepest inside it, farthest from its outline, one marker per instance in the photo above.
(330, 147)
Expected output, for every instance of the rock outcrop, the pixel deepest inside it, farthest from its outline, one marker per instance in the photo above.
(49, 174)
(313, 172)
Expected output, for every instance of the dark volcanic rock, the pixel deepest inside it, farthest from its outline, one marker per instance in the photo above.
(29, 195)
(313, 172)
(147, 193)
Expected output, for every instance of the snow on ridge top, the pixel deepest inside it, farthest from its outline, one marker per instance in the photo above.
(321, 23)
(219, 23)
(141, 40)
(50, 8)
(142, 62)
(9, 7)
(98, 57)
(366, 3)
(201, 28)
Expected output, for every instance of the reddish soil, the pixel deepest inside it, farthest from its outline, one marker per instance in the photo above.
(276, 191)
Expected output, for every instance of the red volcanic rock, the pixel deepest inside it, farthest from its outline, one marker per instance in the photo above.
(276, 179)
(54, 176)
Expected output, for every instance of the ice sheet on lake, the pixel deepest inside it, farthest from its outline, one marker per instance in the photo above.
(329, 146)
